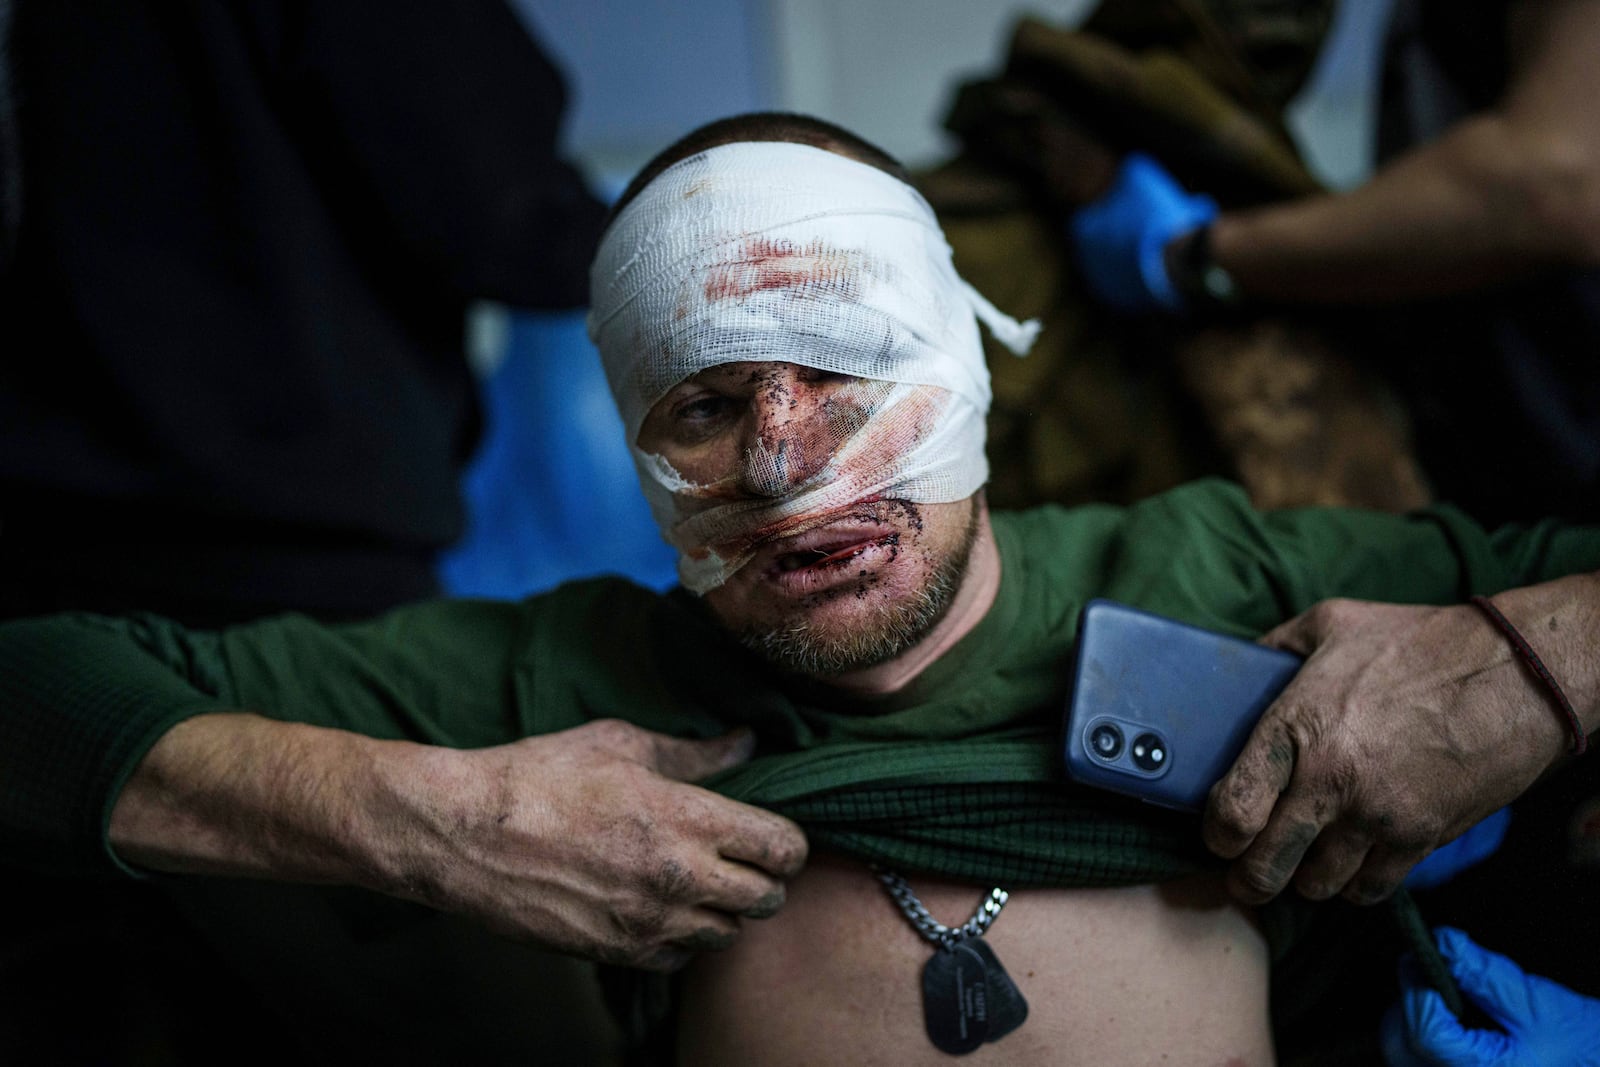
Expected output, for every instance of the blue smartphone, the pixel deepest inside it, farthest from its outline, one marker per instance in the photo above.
(1159, 708)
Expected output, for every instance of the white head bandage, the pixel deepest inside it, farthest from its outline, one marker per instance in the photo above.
(779, 252)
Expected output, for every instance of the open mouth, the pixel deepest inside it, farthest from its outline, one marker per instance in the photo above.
(835, 548)
(823, 555)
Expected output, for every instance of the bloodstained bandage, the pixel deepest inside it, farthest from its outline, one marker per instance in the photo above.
(780, 252)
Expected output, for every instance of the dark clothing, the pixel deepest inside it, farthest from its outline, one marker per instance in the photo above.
(234, 380)
(1504, 386)
(1504, 391)
(240, 238)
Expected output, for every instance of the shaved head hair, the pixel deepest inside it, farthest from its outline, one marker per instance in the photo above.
(782, 126)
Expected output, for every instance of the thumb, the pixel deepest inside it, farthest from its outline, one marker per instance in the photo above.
(1435, 1034)
(1432, 1030)
(1299, 635)
(690, 760)
(1492, 981)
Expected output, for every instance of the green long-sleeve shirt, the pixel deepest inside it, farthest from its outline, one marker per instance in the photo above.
(958, 773)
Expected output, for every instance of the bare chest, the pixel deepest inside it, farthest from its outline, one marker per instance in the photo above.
(1111, 976)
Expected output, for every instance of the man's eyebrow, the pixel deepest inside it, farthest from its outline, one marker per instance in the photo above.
(721, 374)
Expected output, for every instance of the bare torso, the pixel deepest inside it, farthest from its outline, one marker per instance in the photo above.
(1139, 976)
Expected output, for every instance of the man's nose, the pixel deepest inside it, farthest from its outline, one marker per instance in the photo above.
(792, 432)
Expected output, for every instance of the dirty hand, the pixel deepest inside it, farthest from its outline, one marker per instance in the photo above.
(590, 841)
(1120, 240)
(1406, 726)
(1541, 1022)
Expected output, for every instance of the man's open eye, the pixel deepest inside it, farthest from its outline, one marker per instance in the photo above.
(701, 414)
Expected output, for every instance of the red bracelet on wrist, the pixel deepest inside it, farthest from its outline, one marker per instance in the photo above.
(1530, 658)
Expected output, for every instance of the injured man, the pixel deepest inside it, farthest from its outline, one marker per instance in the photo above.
(799, 370)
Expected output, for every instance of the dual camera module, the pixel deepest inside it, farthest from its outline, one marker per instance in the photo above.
(1107, 743)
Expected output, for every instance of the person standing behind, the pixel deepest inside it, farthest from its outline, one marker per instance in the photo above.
(247, 235)
(1477, 240)
(239, 243)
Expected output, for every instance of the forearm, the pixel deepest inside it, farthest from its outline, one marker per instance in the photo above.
(1499, 197)
(1487, 203)
(1560, 620)
(83, 700)
(238, 794)
(573, 840)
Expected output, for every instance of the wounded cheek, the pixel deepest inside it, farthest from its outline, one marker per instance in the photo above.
(859, 471)
(793, 448)
(799, 445)
(848, 412)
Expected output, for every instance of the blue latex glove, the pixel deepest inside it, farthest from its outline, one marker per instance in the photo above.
(1545, 1024)
(1471, 848)
(1121, 239)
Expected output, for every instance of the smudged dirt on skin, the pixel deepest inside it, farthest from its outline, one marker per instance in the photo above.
(772, 386)
(865, 511)
(717, 523)
(799, 440)
(763, 264)
(881, 513)
(845, 408)
(857, 461)
(799, 434)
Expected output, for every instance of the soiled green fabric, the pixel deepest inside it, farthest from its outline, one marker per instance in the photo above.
(1112, 408)
(958, 774)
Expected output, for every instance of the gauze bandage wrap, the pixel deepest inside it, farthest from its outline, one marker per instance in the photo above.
(778, 252)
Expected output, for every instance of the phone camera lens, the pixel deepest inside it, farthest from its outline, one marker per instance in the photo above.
(1105, 741)
(1149, 752)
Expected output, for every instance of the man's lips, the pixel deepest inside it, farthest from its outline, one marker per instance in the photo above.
(822, 548)
(822, 557)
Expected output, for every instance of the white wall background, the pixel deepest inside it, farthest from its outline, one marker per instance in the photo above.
(1333, 118)
(645, 71)
(887, 68)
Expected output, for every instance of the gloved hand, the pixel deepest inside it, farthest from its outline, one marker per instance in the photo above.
(1471, 848)
(1120, 239)
(1545, 1024)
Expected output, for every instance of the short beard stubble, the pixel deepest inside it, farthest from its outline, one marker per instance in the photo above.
(891, 630)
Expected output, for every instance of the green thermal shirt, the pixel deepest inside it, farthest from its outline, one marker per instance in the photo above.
(959, 774)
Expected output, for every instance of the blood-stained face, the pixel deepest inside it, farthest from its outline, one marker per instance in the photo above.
(792, 351)
(852, 582)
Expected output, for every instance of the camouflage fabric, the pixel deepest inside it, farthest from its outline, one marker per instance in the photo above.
(1109, 408)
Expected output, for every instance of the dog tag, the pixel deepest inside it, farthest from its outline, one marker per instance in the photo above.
(955, 999)
(1007, 1006)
